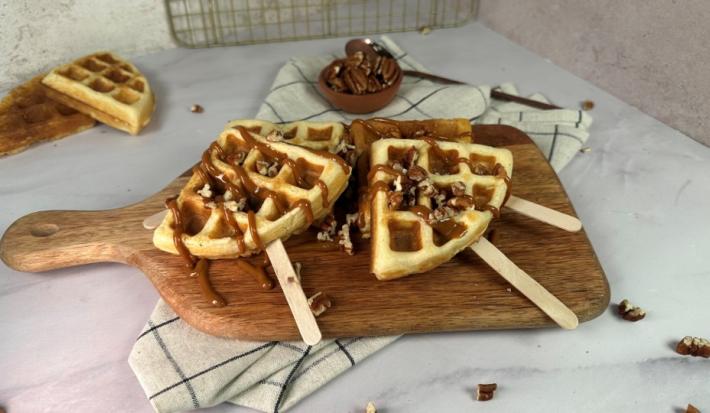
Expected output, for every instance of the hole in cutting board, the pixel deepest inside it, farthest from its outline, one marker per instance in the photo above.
(44, 230)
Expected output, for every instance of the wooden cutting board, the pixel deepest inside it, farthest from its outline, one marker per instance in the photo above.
(463, 294)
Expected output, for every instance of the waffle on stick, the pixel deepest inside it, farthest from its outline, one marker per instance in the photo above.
(105, 87)
(248, 191)
(28, 116)
(429, 199)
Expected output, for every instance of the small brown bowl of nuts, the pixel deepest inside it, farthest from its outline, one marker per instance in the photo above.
(360, 84)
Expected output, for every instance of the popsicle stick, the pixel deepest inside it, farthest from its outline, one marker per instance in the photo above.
(296, 298)
(530, 288)
(153, 221)
(544, 214)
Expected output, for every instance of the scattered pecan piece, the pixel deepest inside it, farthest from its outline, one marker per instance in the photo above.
(395, 199)
(630, 312)
(693, 346)
(587, 104)
(458, 188)
(319, 302)
(416, 173)
(691, 409)
(485, 392)
(197, 109)
(370, 408)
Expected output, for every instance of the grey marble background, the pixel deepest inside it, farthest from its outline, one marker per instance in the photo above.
(652, 54)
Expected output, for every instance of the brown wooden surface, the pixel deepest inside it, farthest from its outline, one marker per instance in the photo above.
(463, 294)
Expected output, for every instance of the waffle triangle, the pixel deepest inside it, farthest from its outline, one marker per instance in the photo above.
(105, 87)
(248, 191)
(430, 199)
(28, 116)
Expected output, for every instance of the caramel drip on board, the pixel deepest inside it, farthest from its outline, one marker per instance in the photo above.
(201, 271)
(258, 272)
(198, 269)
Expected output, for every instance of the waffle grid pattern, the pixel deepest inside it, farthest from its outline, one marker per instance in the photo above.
(208, 234)
(421, 252)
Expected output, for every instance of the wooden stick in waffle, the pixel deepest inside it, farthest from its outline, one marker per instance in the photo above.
(105, 87)
(247, 192)
(431, 199)
(28, 116)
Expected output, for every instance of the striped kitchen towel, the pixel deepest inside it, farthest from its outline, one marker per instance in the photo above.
(181, 368)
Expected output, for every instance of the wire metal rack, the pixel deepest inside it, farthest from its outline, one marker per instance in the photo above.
(209, 23)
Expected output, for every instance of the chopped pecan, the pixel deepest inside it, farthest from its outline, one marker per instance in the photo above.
(427, 188)
(482, 169)
(319, 302)
(460, 202)
(416, 173)
(443, 213)
(395, 199)
(630, 312)
(485, 392)
(693, 346)
(458, 188)
(691, 409)
(410, 157)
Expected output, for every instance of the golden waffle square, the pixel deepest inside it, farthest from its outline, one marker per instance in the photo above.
(105, 87)
(364, 132)
(430, 199)
(322, 136)
(248, 191)
(28, 116)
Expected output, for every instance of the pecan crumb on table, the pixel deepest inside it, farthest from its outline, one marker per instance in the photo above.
(693, 346)
(485, 392)
(691, 409)
(631, 312)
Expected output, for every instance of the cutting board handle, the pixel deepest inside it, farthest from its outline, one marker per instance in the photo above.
(48, 240)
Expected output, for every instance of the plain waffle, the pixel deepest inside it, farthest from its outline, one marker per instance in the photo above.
(27, 116)
(248, 191)
(430, 199)
(105, 87)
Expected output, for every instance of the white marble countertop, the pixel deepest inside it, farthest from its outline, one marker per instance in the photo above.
(643, 194)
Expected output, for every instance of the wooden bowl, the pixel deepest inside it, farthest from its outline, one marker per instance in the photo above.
(366, 103)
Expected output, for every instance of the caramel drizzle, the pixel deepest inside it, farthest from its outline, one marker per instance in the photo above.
(201, 271)
(178, 229)
(384, 168)
(258, 272)
(198, 269)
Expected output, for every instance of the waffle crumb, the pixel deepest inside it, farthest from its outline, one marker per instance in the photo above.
(370, 408)
(691, 409)
(425, 30)
(693, 346)
(319, 303)
(197, 109)
(586, 149)
(587, 104)
(630, 312)
(485, 392)
(205, 192)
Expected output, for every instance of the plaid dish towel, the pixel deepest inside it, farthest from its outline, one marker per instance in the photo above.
(181, 368)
